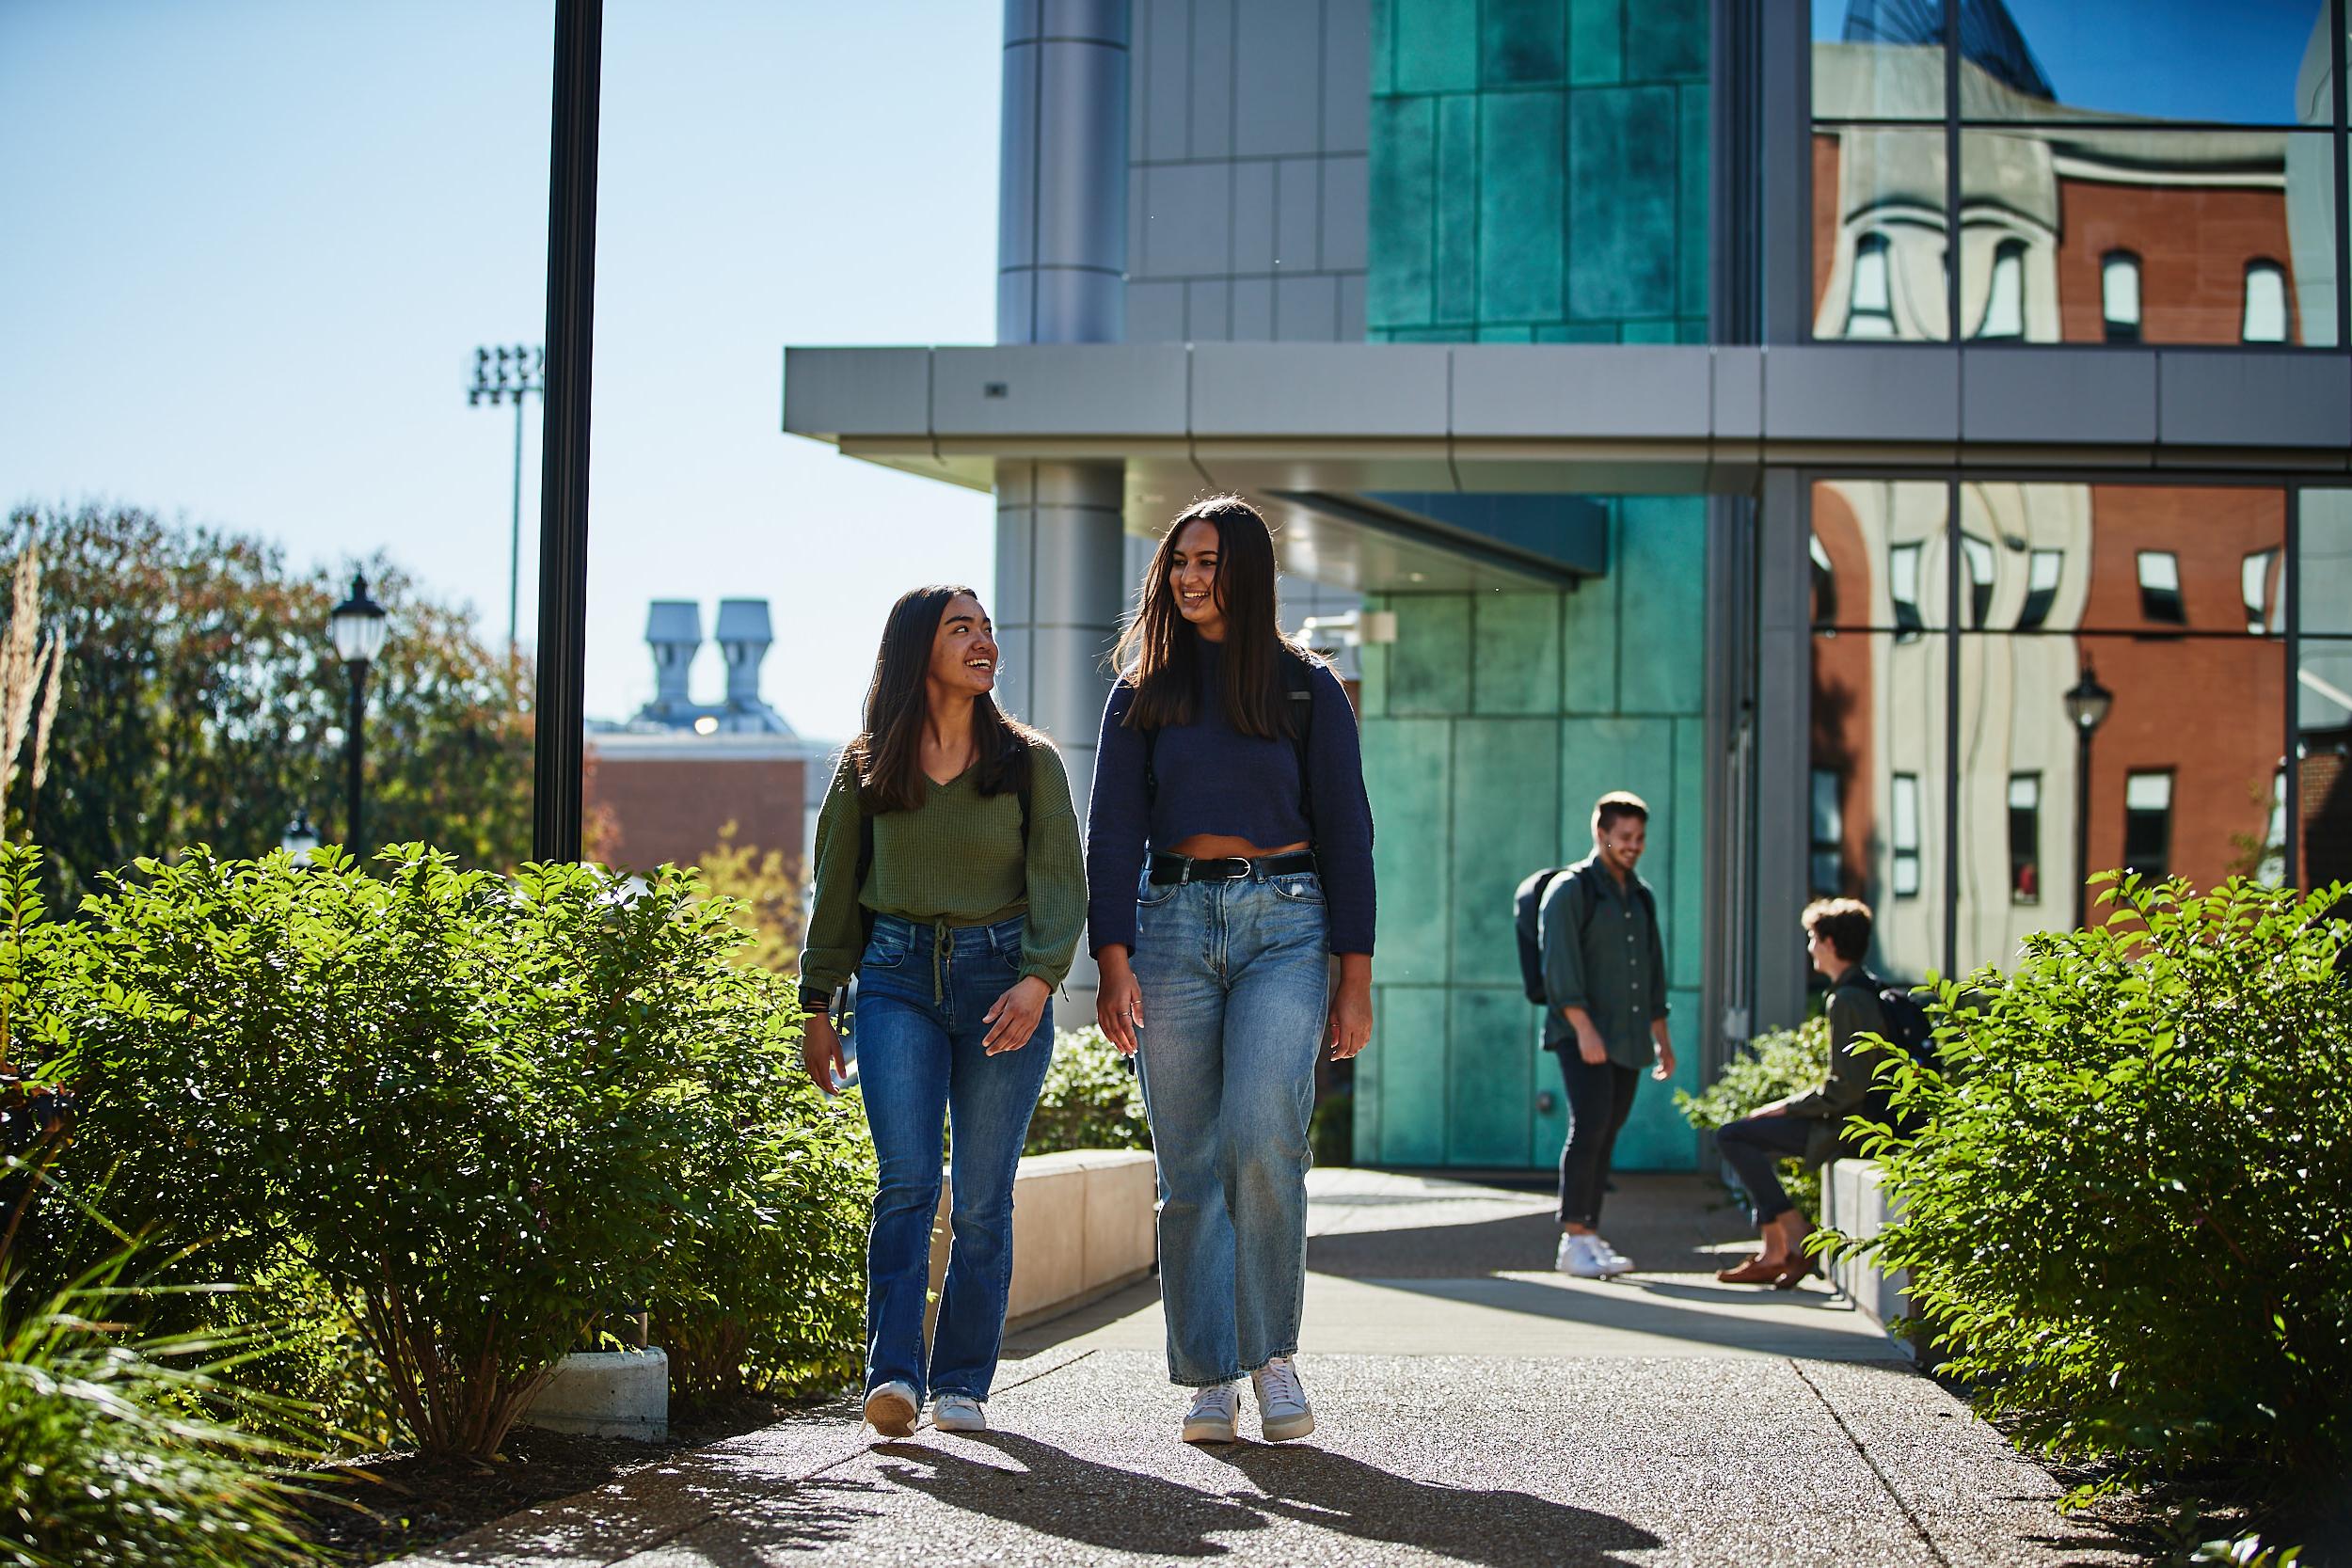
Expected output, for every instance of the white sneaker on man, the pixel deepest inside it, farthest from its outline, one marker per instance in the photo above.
(1210, 1418)
(891, 1409)
(1612, 1262)
(1579, 1257)
(958, 1413)
(1282, 1412)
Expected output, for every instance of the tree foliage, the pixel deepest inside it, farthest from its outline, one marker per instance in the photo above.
(203, 704)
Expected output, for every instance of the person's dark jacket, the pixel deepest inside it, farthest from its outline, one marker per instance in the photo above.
(1853, 1012)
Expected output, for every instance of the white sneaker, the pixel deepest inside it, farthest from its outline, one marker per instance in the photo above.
(958, 1413)
(1282, 1412)
(1612, 1262)
(1211, 1417)
(1579, 1257)
(891, 1409)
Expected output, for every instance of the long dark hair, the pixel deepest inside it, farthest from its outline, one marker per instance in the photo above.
(888, 752)
(1159, 654)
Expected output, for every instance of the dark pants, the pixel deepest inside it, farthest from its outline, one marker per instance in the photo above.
(1600, 1097)
(1753, 1146)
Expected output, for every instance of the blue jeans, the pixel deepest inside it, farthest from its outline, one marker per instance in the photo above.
(1236, 987)
(922, 992)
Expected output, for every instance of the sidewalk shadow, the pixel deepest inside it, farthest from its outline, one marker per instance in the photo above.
(1059, 1494)
(1499, 1528)
(1092, 1504)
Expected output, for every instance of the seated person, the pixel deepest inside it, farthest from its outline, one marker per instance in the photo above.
(1807, 1125)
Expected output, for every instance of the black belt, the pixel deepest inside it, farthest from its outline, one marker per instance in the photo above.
(1227, 868)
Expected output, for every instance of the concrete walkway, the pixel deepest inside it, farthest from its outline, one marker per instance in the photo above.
(1474, 1407)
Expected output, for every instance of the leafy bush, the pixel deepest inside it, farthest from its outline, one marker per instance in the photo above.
(484, 1114)
(2129, 1217)
(1091, 1099)
(1775, 1065)
(133, 1449)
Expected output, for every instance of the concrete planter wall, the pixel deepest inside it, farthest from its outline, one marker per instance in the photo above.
(1082, 1227)
(623, 1393)
(1855, 1201)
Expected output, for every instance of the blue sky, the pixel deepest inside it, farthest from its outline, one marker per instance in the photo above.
(253, 242)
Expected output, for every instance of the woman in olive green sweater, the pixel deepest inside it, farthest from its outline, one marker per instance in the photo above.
(949, 879)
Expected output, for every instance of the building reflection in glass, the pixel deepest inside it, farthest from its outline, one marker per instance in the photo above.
(2125, 174)
(1945, 781)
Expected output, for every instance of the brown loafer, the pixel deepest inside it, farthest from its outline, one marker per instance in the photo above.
(1804, 1264)
(1756, 1271)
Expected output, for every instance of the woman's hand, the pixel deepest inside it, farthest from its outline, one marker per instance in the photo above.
(821, 1052)
(1117, 1000)
(1351, 1008)
(1013, 1019)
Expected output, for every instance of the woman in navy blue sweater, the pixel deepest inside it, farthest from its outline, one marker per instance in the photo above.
(1228, 859)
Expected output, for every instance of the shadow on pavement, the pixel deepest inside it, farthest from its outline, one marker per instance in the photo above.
(1497, 1528)
(1638, 1307)
(1059, 1494)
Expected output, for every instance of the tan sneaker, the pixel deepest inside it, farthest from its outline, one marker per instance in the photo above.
(1210, 1418)
(891, 1410)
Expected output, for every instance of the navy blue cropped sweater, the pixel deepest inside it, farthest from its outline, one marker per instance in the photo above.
(1215, 780)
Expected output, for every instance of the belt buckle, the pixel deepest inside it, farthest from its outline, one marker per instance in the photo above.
(1243, 868)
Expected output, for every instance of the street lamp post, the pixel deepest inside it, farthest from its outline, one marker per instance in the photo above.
(357, 626)
(2086, 707)
(507, 375)
(300, 839)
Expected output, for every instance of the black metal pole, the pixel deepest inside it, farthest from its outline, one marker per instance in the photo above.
(354, 815)
(514, 542)
(2082, 828)
(562, 640)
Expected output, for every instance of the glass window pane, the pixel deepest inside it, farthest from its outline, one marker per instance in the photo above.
(2323, 761)
(1879, 222)
(2322, 561)
(1873, 61)
(2202, 794)
(1976, 560)
(2129, 557)
(1884, 542)
(2194, 209)
(2262, 64)
(2258, 583)
(1878, 726)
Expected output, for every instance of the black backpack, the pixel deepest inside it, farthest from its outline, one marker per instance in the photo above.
(1527, 905)
(1909, 1030)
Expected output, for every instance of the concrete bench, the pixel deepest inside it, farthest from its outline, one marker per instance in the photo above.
(1855, 1201)
(1082, 1227)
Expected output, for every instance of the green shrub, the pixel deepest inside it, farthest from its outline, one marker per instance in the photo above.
(483, 1114)
(1091, 1099)
(2129, 1217)
(1775, 1065)
(133, 1450)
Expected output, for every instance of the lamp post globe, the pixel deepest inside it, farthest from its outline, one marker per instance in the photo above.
(358, 627)
(2086, 705)
(300, 838)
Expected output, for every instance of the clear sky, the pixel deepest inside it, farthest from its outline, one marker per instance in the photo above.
(252, 244)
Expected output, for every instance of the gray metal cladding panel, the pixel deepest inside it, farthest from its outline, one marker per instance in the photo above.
(1346, 75)
(2102, 397)
(1187, 219)
(869, 391)
(1863, 394)
(1076, 390)
(1362, 390)
(1277, 51)
(2254, 399)
(1016, 184)
(1351, 307)
(1081, 198)
(1739, 377)
(1155, 312)
(1297, 210)
(1161, 76)
(1021, 18)
(1208, 310)
(1306, 309)
(1212, 86)
(1346, 212)
(1103, 20)
(1504, 390)
(1253, 310)
(1253, 217)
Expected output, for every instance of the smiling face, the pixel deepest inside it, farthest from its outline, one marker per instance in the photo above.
(963, 653)
(1192, 580)
(1621, 844)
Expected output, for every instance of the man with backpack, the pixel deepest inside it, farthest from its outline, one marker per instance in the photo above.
(1810, 1124)
(1594, 963)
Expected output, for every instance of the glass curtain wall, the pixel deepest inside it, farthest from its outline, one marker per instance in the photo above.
(2107, 172)
(1964, 632)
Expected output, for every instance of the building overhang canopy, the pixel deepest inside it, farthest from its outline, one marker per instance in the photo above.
(1366, 424)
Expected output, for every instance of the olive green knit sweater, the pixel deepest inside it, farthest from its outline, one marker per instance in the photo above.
(956, 860)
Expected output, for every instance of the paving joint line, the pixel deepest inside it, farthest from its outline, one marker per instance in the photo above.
(1901, 1504)
(861, 1448)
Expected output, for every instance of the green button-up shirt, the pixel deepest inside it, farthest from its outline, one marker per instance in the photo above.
(1602, 952)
